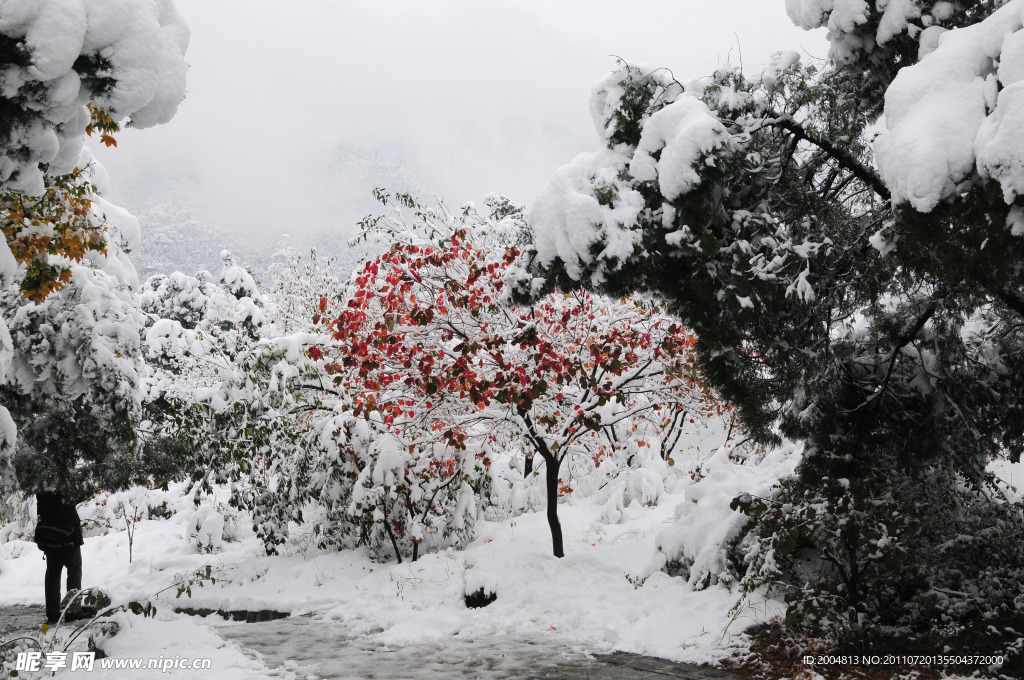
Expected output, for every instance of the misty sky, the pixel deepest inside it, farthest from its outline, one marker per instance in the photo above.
(295, 109)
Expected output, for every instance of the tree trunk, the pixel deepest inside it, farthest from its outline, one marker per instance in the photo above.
(551, 465)
(528, 466)
(391, 535)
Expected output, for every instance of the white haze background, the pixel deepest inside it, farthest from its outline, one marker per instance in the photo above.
(296, 110)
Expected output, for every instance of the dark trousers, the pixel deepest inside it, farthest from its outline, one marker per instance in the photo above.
(55, 562)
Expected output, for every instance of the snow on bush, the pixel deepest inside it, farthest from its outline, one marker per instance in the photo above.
(196, 326)
(702, 544)
(106, 511)
(211, 526)
(512, 492)
(240, 283)
(644, 484)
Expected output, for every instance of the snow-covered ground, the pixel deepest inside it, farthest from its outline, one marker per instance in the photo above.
(602, 596)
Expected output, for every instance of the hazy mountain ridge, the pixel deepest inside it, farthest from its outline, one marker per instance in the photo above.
(178, 235)
(175, 238)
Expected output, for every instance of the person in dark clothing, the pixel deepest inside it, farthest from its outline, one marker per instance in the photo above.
(59, 536)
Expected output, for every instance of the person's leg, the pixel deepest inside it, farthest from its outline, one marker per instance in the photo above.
(54, 565)
(74, 565)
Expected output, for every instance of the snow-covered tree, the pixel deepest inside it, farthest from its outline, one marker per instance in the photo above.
(69, 346)
(428, 345)
(73, 368)
(195, 328)
(72, 381)
(860, 295)
(236, 397)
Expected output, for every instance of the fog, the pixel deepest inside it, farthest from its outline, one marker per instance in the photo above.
(295, 110)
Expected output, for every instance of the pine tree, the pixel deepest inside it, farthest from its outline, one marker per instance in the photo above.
(835, 301)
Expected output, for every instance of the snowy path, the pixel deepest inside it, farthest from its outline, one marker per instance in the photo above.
(302, 648)
(320, 650)
(15, 619)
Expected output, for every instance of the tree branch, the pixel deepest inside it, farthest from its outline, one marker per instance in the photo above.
(1012, 299)
(901, 342)
(845, 160)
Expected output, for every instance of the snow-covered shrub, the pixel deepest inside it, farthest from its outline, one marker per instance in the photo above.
(615, 479)
(111, 511)
(941, 548)
(177, 297)
(197, 325)
(479, 586)
(206, 529)
(196, 328)
(643, 486)
(513, 491)
(418, 498)
(348, 478)
(708, 541)
(271, 428)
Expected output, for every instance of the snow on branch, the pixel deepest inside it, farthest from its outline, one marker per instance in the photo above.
(124, 58)
(958, 113)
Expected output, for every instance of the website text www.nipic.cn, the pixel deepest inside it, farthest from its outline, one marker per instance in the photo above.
(86, 661)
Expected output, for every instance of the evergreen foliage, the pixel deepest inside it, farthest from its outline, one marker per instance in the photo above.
(885, 339)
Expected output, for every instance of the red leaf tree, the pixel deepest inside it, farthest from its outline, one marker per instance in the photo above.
(428, 347)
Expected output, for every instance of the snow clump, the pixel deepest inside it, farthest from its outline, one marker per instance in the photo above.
(960, 110)
(843, 18)
(122, 56)
(588, 203)
(684, 132)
